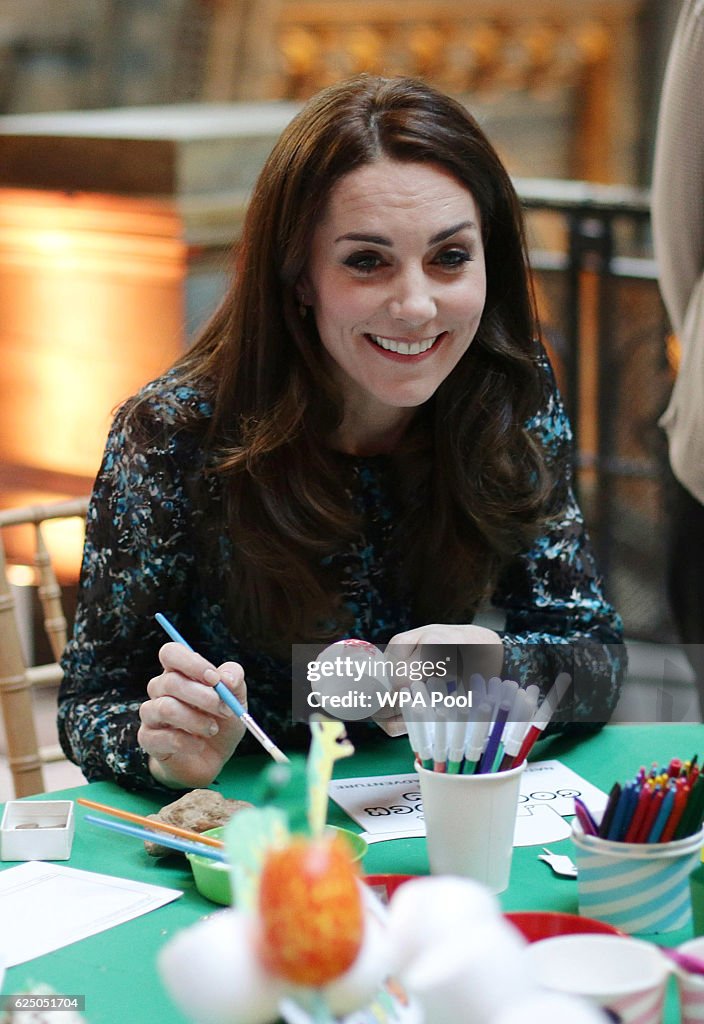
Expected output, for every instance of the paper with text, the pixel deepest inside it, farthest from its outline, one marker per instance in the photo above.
(389, 806)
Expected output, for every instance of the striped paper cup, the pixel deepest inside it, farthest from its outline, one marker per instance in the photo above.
(627, 976)
(691, 986)
(641, 888)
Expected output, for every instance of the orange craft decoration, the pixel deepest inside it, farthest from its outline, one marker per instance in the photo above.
(310, 908)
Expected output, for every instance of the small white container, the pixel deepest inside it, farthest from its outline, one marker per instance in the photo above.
(37, 830)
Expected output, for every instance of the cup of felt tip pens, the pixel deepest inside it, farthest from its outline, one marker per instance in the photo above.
(634, 861)
(469, 770)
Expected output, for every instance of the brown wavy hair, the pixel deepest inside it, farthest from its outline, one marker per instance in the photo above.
(473, 487)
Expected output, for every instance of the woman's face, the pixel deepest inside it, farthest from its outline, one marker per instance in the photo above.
(397, 284)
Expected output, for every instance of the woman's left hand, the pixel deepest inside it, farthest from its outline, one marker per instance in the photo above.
(437, 642)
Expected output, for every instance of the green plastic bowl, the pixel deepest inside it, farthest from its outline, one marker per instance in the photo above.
(358, 846)
(212, 877)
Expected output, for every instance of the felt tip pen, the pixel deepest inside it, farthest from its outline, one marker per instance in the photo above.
(515, 730)
(457, 733)
(421, 743)
(509, 690)
(477, 686)
(476, 737)
(493, 690)
(440, 745)
(419, 729)
(544, 713)
(229, 698)
(532, 693)
(487, 760)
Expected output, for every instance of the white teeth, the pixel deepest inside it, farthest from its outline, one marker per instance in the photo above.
(404, 348)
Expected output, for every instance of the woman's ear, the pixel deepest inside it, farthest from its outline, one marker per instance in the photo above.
(303, 296)
(303, 291)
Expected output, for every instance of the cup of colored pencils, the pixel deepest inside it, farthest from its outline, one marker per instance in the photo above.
(634, 861)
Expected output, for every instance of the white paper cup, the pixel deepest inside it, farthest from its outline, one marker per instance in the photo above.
(641, 888)
(691, 986)
(470, 821)
(628, 976)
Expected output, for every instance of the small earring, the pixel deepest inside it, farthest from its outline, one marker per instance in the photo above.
(302, 310)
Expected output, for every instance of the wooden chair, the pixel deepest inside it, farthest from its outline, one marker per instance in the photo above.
(25, 756)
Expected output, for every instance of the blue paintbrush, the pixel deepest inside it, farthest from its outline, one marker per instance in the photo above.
(229, 698)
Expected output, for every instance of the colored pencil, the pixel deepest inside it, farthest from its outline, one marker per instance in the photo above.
(182, 845)
(160, 826)
(614, 796)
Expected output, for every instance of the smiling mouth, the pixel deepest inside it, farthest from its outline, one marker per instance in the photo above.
(405, 348)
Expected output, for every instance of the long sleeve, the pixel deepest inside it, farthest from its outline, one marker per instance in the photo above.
(557, 616)
(136, 560)
(155, 541)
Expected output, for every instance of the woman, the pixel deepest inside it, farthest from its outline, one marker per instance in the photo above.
(366, 438)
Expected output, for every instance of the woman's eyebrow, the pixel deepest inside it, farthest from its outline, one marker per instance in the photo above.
(355, 236)
(360, 236)
(449, 232)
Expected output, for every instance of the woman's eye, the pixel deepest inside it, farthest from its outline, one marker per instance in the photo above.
(364, 262)
(453, 257)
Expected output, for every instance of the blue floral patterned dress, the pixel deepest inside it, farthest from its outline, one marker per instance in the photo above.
(149, 543)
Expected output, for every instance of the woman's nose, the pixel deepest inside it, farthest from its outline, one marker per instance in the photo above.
(412, 300)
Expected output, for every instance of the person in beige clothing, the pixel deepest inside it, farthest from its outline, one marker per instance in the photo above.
(678, 233)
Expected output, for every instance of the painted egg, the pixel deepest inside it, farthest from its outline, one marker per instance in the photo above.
(310, 911)
(352, 677)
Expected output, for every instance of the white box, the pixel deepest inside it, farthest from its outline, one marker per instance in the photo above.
(37, 830)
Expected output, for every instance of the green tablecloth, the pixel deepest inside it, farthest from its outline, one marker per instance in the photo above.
(115, 970)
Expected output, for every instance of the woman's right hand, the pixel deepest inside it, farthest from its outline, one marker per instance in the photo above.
(187, 731)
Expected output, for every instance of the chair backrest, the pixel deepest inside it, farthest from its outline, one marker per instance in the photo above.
(25, 757)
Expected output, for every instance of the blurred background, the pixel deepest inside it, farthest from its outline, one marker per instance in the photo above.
(132, 130)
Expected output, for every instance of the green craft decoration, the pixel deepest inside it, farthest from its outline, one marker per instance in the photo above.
(286, 786)
(248, 836)
(301, 786)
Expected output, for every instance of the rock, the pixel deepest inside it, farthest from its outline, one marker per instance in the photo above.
(199, 810)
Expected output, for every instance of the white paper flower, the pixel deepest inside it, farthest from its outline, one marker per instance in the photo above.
(444, 939)
(214, 973)
(454, 951)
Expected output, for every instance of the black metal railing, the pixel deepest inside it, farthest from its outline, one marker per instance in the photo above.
(605, 323)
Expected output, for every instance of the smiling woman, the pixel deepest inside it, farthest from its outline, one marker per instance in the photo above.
(366, 440)
(397, 302)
